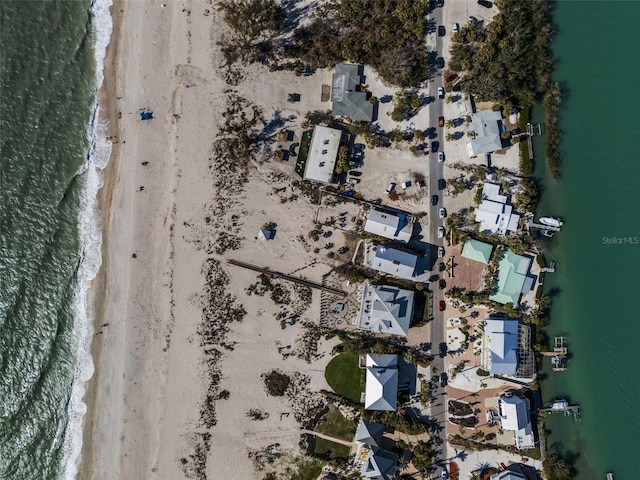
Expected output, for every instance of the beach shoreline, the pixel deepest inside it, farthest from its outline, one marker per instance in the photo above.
(99, 287)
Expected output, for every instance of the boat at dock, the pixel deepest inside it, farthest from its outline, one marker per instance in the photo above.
(547, 233)
(551, 221)
(609, 476)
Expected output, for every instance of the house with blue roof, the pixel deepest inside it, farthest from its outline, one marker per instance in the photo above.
(501, 346)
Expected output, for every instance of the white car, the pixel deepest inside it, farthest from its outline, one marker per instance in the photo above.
(440, 92)
(440, 232)
(390, 188)
(440, 252)
(455, 27)
(442, 213)
(441, 156)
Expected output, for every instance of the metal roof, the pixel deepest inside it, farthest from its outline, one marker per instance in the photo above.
(394, 262)
(485, 126)
(381, 389)
(503, 345)
(386, 309)
(512, 274)
(478, 251)
(323, 152)
(347, 102)
(389, 225)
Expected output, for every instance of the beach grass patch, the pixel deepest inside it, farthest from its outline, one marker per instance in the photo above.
(276, 382)
(308, 469)
(303, 152)
(334, 424)
(345, 377)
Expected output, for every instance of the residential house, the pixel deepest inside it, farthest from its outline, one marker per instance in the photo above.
(394, 262)
(514, 278)
(487, 126)
(493, 213)
(323, 153)
(386, 309)
(501, 341)
(395, 226)
(347, 98)
(381, 388)
(477, 251)
(515, 417)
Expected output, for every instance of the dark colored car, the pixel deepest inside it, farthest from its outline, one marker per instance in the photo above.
(442, 283)
(442, 184)
(434, 199)
(355, 173)
(485, 3)
(440, 3)
(451, 77)
(442, 305)
(443, 349)
(441, 31)
(434, 146)
(440, 122)
(443, 379)
(440, 62)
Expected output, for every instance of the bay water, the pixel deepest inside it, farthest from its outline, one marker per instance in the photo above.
(597, 253)
(52, 150)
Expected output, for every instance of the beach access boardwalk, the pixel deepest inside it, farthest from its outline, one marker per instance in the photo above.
(290, 278)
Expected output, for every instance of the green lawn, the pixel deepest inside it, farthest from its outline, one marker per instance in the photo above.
(334, 425)
(345, 377)
(303, 152)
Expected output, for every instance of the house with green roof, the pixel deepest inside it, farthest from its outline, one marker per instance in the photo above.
(477, 251)
(513, 278)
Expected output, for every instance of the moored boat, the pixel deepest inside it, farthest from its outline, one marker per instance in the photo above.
(551, 221)
(546, 233)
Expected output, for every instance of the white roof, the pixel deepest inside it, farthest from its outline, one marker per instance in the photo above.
(503, 345)
(323, 152)
(381, 389)
(496, 217)
(514, 416)
(485, 126)
(507, 475)
(394, 262)
(388, 225)
(491, 191)
(386, 309)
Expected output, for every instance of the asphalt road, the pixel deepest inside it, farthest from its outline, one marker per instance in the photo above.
(436, 172)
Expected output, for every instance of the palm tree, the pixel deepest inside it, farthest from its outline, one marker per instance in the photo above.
(449, 137)
(449, 123)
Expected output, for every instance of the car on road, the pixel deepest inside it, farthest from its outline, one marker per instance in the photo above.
(440, 252)
(434, 146)
(443, 379)
(455, 27)
(440, 92)
(442, 184)
(440, 3)
(441, 31)
(442, 213)
(441, 121)
(355, 173)
(441, 156)
(442, 305)
(485, 3)
(440, 232)
(353, 181)
(473, 19)
(434, 199)
(442, 283)
(390, 188)
(440, 62)
(443, 349)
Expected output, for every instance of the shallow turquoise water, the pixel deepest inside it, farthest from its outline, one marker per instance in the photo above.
(597, 284)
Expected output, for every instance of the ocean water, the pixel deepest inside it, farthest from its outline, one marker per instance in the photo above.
(52, 150)
(597, 284)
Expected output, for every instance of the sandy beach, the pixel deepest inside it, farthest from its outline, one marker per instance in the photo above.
(179, 346)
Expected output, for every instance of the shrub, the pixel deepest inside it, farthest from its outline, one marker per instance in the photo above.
(276, 382)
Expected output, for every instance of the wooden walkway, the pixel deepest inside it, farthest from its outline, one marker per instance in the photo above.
(290, 278)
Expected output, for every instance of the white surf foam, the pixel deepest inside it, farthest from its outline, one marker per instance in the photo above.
(90, 234)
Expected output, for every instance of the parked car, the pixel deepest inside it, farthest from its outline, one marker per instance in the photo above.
(422, 183)
(441, 31)
(434, 146)
(440, 252)
(473, 19)
(440, 232)
(442, 213)
(434, 199)
(443, 379)
(353, 181)
(440, 92)
(442, 283)
(455, 27)
(355, 173)
(390, 188)
(442, 184)
(440, 3)
(485, 3)
(442, 305)
(442, 348)
(406, 184)
(440, 62)
(441, 121)
(451, 77)
(441, 157)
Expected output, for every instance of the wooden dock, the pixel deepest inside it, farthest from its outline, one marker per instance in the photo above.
(290, 278)
(559, 355)
(562, 406)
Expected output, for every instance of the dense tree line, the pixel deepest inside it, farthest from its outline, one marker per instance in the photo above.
(389, 35)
